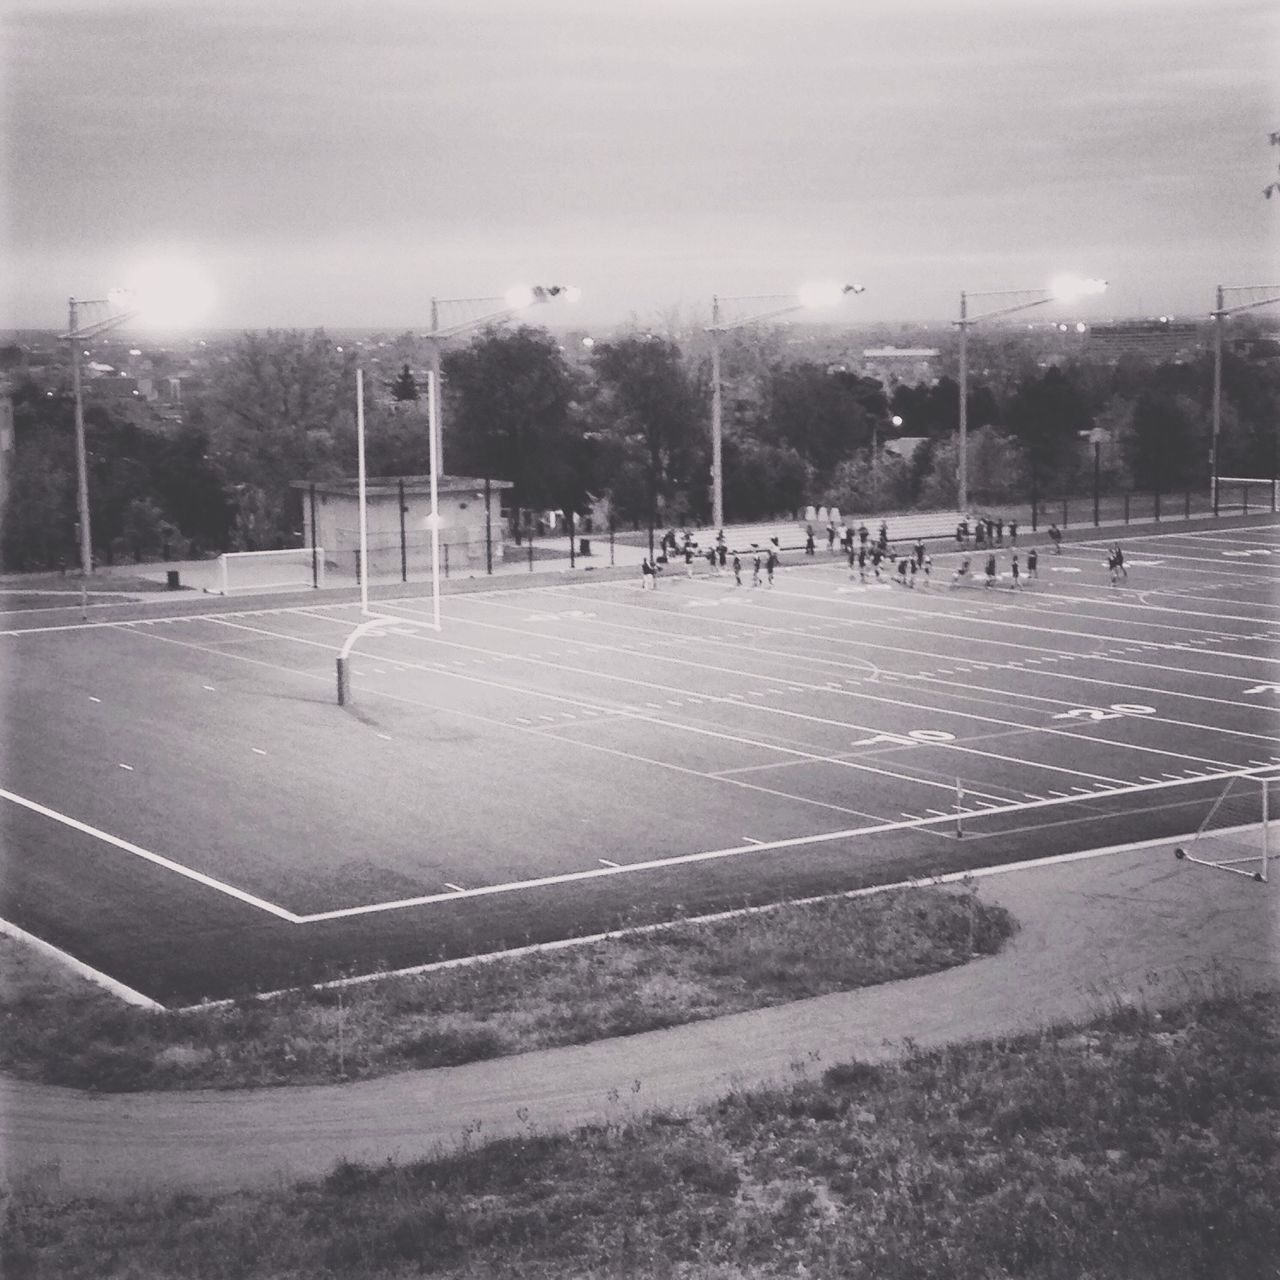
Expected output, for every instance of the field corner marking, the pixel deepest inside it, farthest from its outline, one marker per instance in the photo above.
(67, 960)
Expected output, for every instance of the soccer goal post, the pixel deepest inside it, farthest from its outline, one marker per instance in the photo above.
(1235, 834)
(291, 569)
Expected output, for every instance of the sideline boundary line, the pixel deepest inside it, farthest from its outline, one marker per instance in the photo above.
(563, 944)
(117, 988)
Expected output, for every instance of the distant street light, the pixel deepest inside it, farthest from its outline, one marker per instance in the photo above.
(517, 298)
(1063, 288)
(808, 296)
(1220, 313)
(169, 294)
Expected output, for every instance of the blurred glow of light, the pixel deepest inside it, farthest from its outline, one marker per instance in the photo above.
(897, 421)
(170, 293)
(1067, 288)
(820, 293)
(135, 351)
(518, 297)
(1081, 326)
(588, 343)
(572, 293)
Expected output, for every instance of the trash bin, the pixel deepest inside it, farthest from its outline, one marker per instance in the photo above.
(584, 546)
(174, 583)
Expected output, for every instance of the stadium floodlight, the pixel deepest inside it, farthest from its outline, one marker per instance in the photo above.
(1062, 288)
(1219, 314)
(167, 291)
(807, 297)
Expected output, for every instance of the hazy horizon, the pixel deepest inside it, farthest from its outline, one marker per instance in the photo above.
(336, 164)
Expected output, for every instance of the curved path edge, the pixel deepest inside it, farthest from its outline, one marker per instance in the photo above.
(1133, 925)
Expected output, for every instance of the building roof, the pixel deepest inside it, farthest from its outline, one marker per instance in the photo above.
(384, 486)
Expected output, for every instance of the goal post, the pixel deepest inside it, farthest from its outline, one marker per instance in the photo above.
(292, 569)
(1235, 834)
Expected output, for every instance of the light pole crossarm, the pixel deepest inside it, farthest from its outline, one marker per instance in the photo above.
(1247, 306)
(775, 314)
(452, 331)
(1002, 311)
(98, 327)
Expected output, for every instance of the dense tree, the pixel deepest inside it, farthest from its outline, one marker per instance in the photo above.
(509, 398)
(1164, 445)
(404, 388)
(1047, 415)
(656, 411)
(280, 407)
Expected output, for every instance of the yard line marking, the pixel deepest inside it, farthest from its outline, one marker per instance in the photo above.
(607, 863)
(752, 840)
(258, 751)
(523, 720)
(124, 766)
(457, 888)
(1063, 794)
(199, 877)
(386, 737)
(93, 699)
(209, 688)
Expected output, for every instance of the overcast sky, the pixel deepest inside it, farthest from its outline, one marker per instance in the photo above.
(338, 162)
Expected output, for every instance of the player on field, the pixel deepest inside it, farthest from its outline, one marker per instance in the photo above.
(1016, 572)
(962, 572)
(1055, 536)
(737, 570)
(1033, 563)
(991, 571)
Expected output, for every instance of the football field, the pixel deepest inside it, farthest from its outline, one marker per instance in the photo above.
(184, 807)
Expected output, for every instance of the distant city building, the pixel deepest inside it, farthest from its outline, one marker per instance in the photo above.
(1160, 340)
(901, 366)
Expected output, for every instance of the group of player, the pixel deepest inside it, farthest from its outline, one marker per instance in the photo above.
(964, 575)
(717, 557)
(877, 557)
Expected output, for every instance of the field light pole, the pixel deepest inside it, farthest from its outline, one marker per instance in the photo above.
(1063, 289)
(1220, 313)
(75, 335)
(774, 307)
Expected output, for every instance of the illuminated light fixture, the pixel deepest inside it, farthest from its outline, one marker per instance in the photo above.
(1067, 288)
(167, 293)
(825, 293)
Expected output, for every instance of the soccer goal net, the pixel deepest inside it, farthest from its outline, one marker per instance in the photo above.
(1247, 495)
(297, 567)
(1235, 833)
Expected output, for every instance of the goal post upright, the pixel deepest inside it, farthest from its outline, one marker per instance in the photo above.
(1248, 856)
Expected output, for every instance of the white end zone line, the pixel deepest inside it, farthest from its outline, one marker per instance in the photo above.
(169, 865)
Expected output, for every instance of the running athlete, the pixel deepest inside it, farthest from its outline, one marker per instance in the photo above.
(876, 556)
(902, 569)
(919, 552)
(737, 570)
(755, 569)
(1055, 536)
(1033, 563)
(862, 563)
(1124, 573)
(770, 564)
(962, 572)
(991, 571)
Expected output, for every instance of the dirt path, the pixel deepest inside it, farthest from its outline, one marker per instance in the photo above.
(1125, 926)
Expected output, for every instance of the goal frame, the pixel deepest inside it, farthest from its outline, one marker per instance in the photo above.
(294, 554)
(1254, 865)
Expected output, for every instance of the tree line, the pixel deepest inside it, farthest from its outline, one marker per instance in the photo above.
(627, 421)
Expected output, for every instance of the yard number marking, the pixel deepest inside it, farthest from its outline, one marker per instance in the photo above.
(1116, 710)
(912, 738)
(1253, 551)
(1264, 688)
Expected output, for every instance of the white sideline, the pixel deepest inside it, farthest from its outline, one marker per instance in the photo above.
(116, 988)
(561, 944)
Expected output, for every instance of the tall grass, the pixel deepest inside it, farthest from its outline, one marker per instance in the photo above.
(68, 1032)
(1141, 1147)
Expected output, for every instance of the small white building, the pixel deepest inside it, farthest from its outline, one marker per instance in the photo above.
(334, 505)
